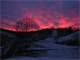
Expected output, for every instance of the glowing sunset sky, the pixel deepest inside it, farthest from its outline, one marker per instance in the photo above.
(64, 12)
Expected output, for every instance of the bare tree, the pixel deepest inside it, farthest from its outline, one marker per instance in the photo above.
(25, 24)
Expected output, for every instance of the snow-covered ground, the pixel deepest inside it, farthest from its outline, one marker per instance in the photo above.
(54, 51)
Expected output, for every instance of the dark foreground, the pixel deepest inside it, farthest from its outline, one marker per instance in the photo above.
(44, 44)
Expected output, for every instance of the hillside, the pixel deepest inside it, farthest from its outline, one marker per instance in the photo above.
(18, 43)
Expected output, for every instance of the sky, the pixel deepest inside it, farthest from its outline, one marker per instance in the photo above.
(52, 9)
(16, 8)
(40, 0)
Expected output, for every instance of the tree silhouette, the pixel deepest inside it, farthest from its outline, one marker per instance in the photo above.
(25, 24)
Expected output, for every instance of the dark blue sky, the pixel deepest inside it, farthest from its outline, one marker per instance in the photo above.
(15, 9)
